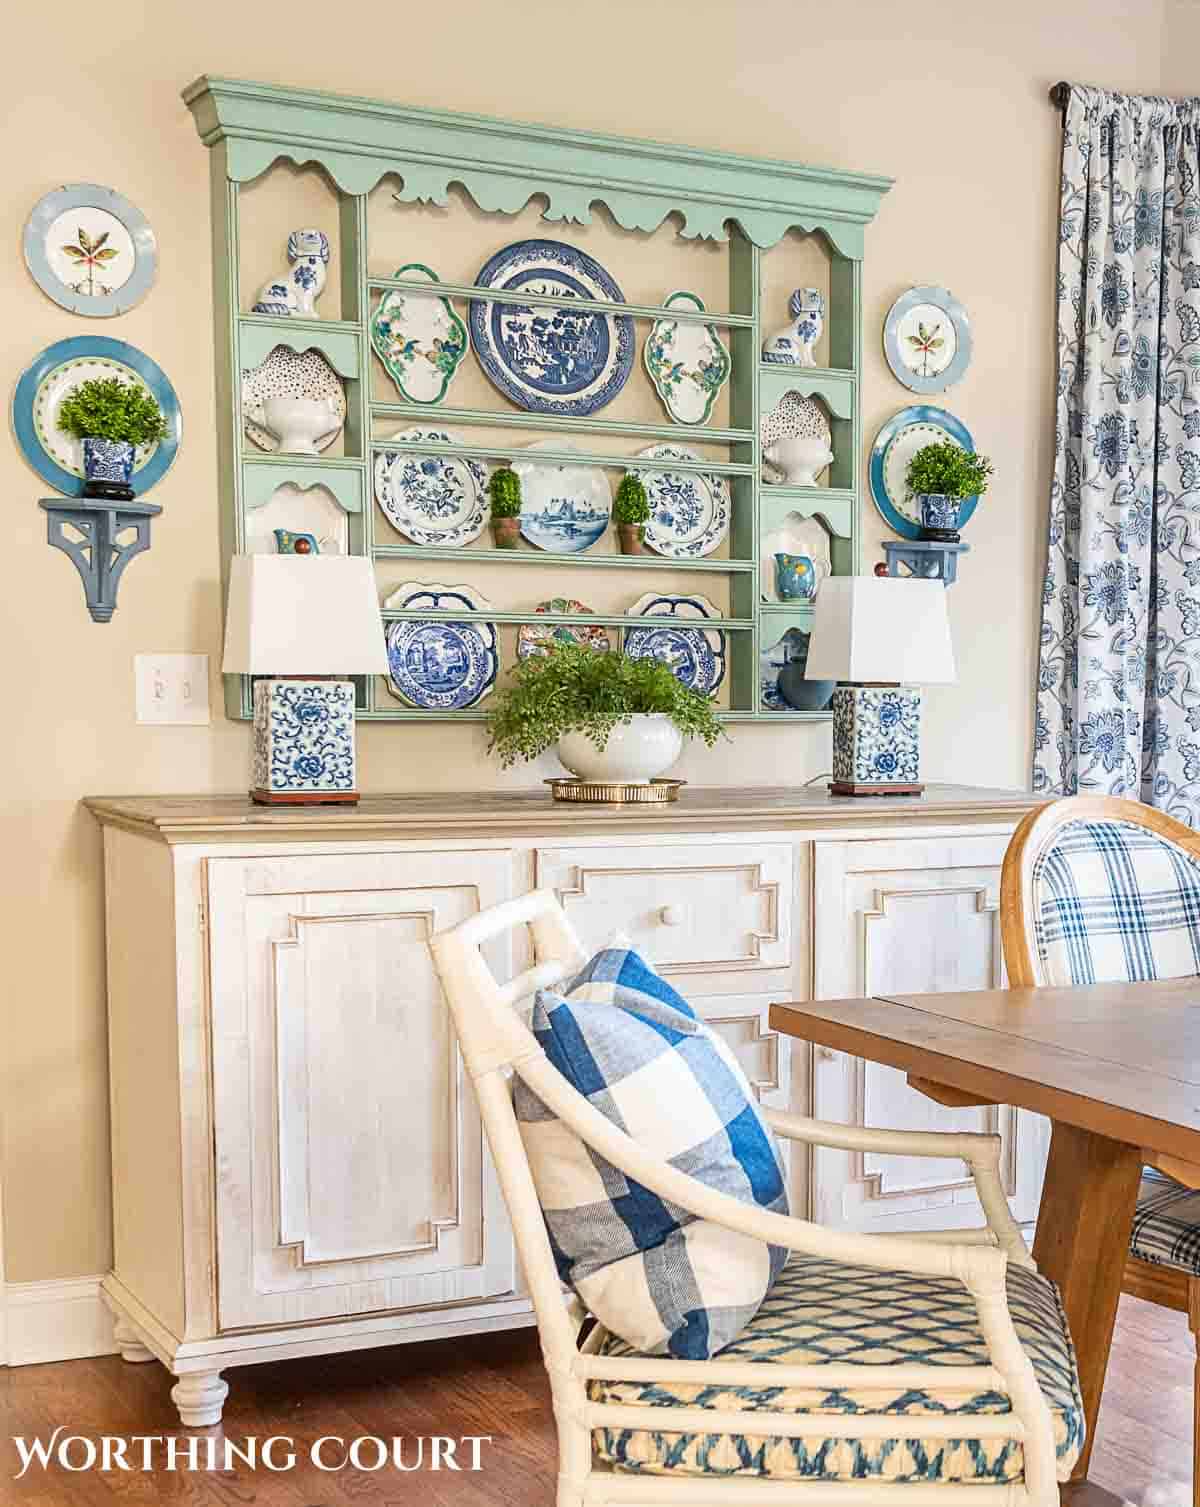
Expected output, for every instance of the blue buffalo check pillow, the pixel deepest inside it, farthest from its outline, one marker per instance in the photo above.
(656, 1276)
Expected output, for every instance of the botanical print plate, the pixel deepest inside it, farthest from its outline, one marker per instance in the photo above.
(432, 499)
(434, 665)
(539, 638)
(90, 250)
(551, 360)
(419, 338)
(895, 445)
(689, 510)
(58, 457)
(795, 535)
(564, 508)
(696, 656)
(686, 361)
(793, 645)
(927, 339)
(285, 373)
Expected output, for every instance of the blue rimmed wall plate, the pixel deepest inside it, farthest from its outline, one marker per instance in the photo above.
(927, 339)
(696, 656)
(552, 360)
(895, 445)
(57, 457)
(90, 250)
(435, 665)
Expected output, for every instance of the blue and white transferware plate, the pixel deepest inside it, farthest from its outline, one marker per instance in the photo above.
(419, 338)
(90, 250)
(432, 499)
(689, 510)
(551, 360)
(58, 457)
(793, 645)
(927, 340)
(895, 445)
(686, 361)
(696, 656)
(438, 665)
(564, 508)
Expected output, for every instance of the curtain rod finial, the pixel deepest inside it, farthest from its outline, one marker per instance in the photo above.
(1060, 94)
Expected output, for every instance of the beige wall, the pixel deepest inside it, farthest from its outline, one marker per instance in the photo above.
(948, 96)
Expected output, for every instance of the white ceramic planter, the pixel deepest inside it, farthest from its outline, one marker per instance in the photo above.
(636, 752)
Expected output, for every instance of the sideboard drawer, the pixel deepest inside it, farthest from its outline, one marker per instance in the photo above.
(708, 908)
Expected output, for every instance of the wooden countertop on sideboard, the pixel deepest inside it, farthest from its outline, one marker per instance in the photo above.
(532, 813)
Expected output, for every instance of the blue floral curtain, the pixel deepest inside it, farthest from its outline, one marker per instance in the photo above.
(1118, 702)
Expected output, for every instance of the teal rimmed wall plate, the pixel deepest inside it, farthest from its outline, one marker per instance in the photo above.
(895, 445)
(927, 339)
(58, 457)
(90, 250)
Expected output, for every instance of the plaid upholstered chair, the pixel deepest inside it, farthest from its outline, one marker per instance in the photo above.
(932, 1360)
(1098, 890)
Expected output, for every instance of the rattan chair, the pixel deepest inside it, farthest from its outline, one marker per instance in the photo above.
(1100, 890)
(586, 1368)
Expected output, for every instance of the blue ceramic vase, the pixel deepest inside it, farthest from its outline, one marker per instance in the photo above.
(108, 469)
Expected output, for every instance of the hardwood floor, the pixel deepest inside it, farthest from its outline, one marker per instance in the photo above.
(490, 1385)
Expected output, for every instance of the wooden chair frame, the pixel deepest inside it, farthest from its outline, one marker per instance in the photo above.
(1169, 1286)
(495, 1041)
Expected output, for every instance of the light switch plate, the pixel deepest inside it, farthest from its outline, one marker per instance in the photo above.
(172, 688)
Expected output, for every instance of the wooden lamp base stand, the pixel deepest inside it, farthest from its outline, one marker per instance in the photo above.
(304, 797)
(843, 787)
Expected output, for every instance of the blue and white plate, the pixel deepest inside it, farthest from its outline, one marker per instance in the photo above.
(432, 499)
(895, 445)
(58, 457)
(696, 656)
(564, 508)
(551, 360)
(689, 510)
(439, 665)
(90, 250)
(927, 339)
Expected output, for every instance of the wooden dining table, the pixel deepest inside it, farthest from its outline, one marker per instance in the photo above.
(1116, 1068)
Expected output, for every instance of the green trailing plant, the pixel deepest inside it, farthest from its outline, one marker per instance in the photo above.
(504, 489)
(631, 505)
(105, 408)
(946, 470)
(572, 689)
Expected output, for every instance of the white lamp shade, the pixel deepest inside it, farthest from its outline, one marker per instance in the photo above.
(881, 628)
(303, 615)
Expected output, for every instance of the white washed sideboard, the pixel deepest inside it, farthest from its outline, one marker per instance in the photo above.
(298, 1165)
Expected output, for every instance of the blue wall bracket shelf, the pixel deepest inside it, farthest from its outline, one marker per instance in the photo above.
(98, 554)
(924, 558)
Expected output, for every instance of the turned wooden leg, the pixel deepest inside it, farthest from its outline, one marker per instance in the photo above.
(199, 1396)
(1088, 1203)
(1194, 1326)
(129, 1342)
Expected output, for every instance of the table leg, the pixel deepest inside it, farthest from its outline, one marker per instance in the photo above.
(1082, 1239)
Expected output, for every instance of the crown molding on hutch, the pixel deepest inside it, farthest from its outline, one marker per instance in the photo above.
(359, 141)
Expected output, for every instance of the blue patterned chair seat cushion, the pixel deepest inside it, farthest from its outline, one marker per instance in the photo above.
(1114, 902)
(820, 1312)
(1166, 1227)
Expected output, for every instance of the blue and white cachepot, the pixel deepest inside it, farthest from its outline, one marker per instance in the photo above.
(107, 467)
(876, 736)
(304, 740)
(939, 512)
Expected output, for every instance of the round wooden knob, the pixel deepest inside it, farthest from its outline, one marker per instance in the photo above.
(672, 915)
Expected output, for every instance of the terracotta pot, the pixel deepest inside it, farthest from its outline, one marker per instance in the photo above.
(506, 532)
(631, 536)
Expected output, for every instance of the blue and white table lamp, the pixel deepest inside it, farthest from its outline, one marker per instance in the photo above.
(881, 638)
(304, 623)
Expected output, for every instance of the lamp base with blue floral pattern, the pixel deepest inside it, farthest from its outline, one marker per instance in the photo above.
(876, 740)
(303, 742)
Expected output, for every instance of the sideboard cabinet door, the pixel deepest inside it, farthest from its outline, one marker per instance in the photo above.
(909, 917)
(351, 1171)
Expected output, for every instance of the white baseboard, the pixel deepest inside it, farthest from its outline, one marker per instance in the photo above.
(57, 1320)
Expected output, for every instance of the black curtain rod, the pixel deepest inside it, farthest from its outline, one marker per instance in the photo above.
(1060, 95)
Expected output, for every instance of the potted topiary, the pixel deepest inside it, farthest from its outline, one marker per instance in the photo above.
(630, 513)
(112, 419)
(941, 477)
(609, 717)
(504, 488)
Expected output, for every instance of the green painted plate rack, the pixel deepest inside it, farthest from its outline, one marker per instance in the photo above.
(751, 202)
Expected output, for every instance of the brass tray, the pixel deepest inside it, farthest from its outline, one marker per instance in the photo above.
(614, 792)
